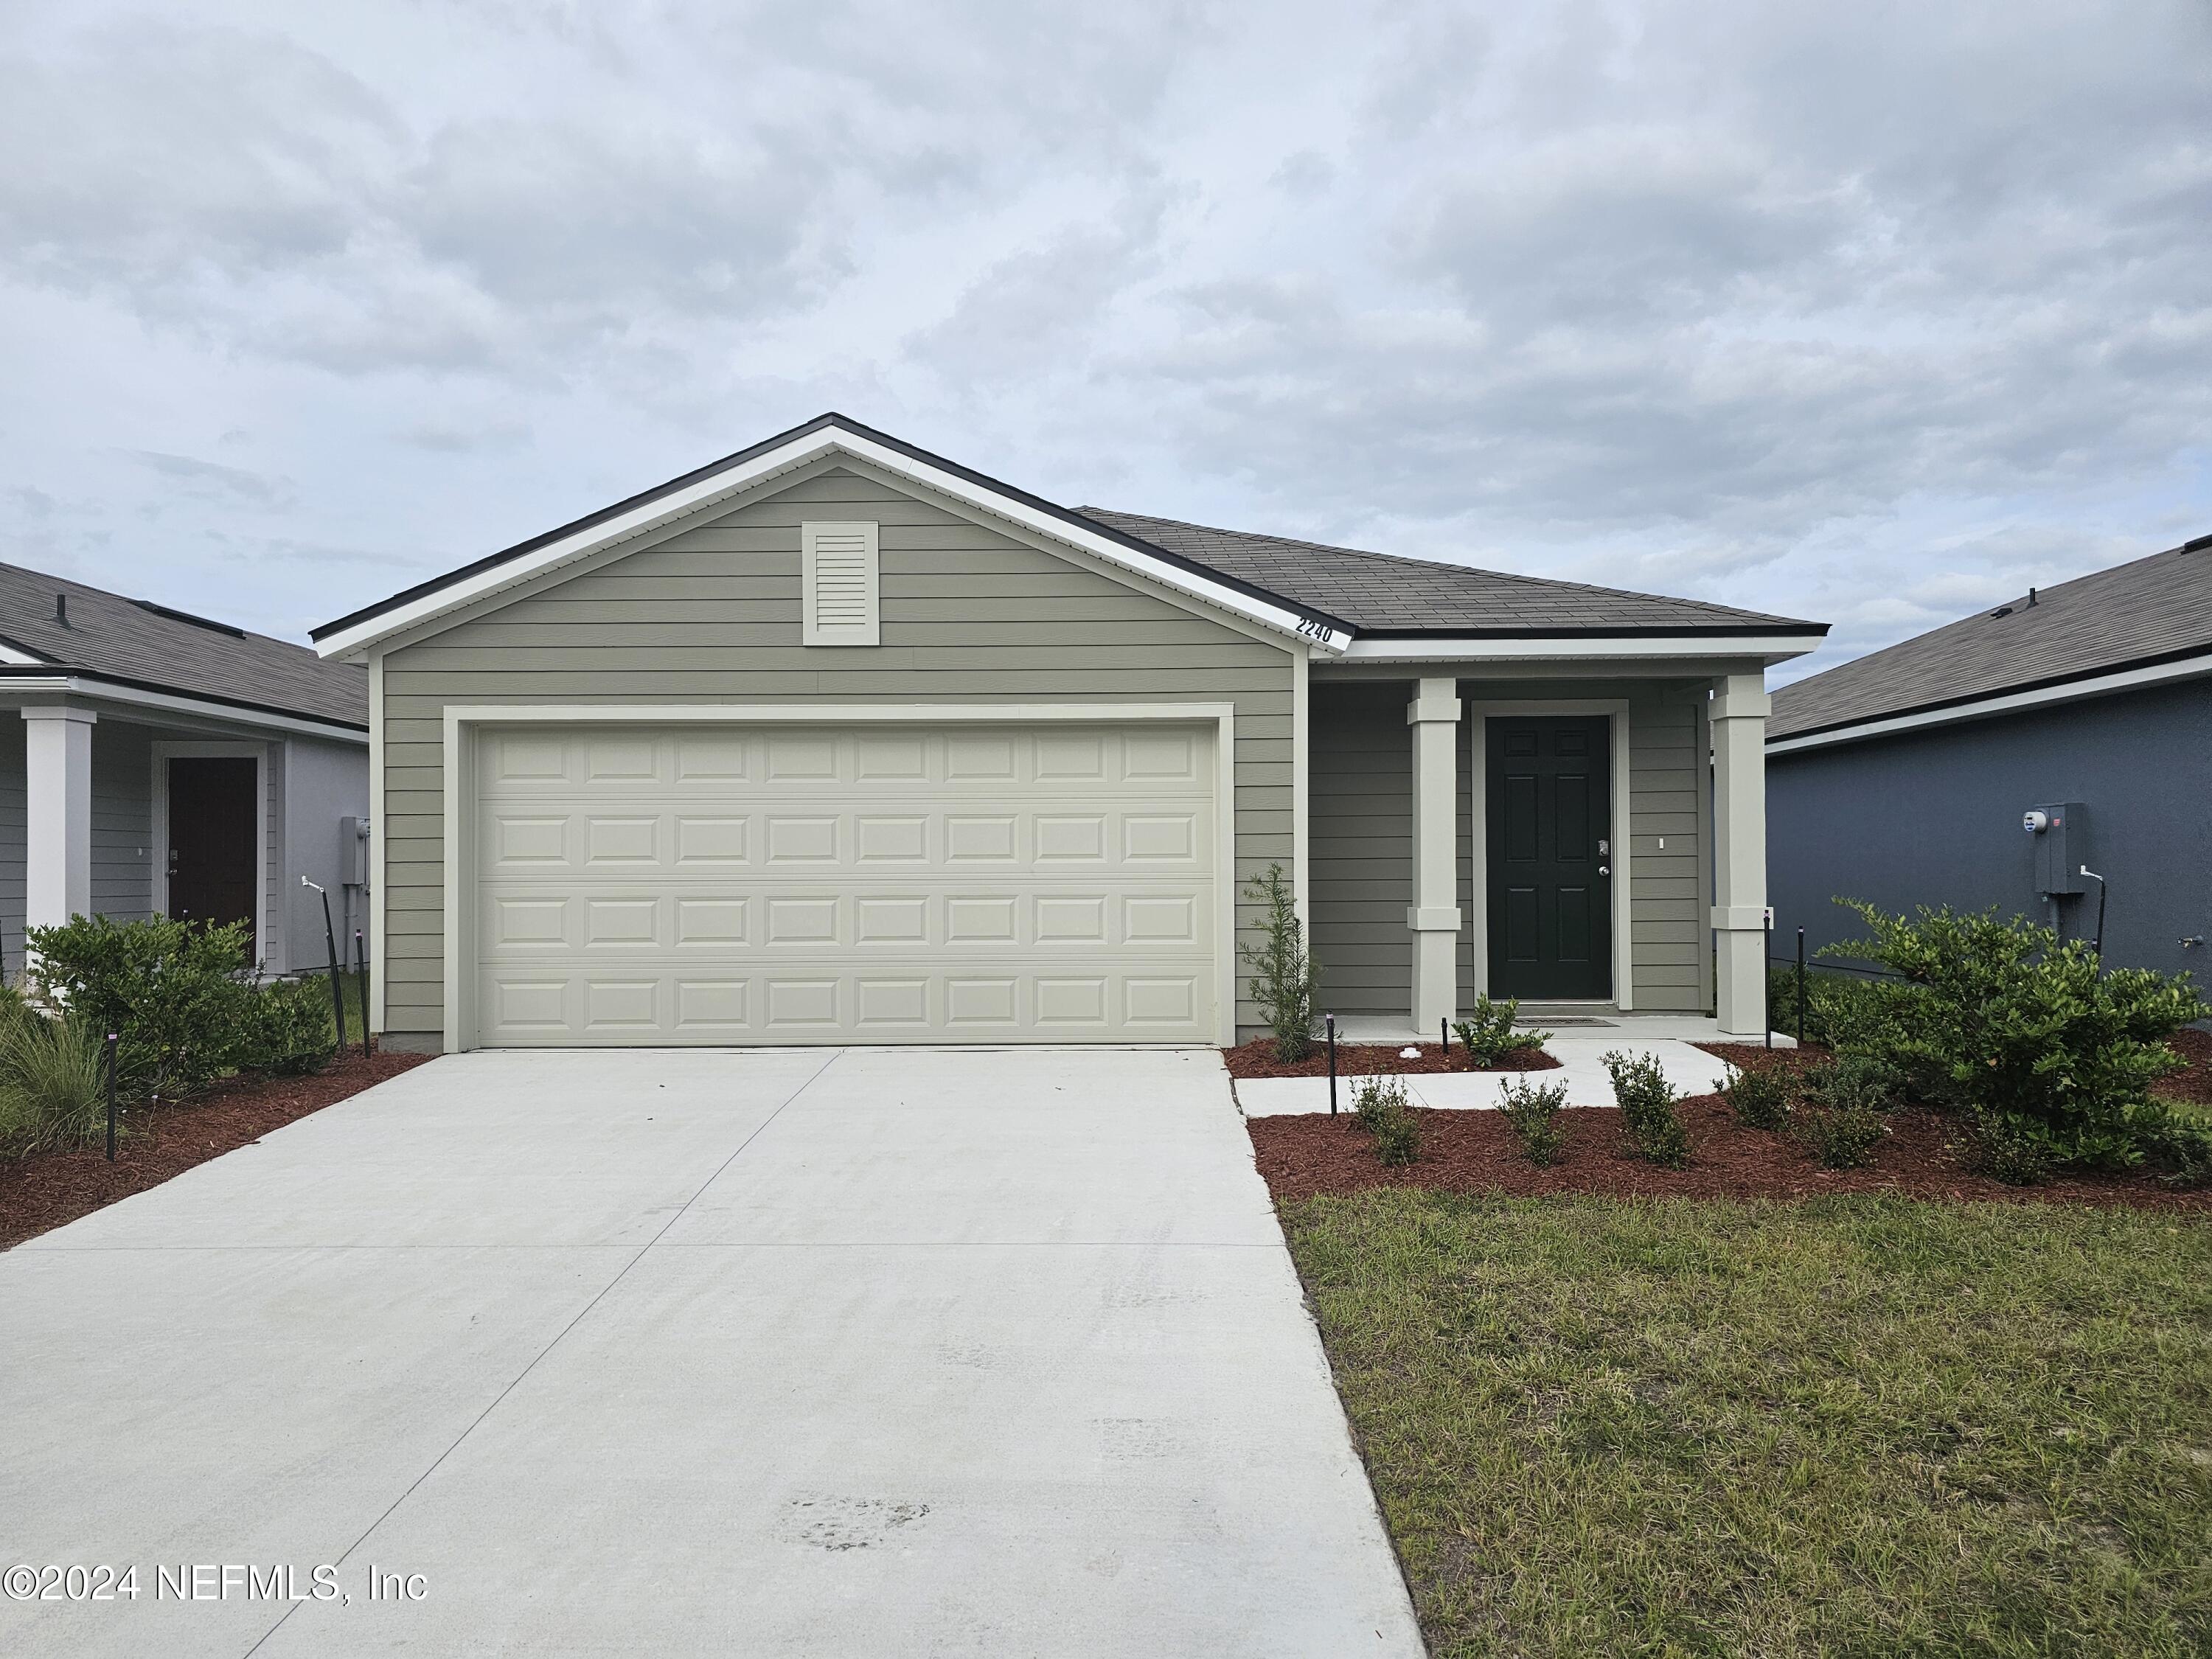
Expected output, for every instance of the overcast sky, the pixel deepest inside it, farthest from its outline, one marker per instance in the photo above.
(1869, 313)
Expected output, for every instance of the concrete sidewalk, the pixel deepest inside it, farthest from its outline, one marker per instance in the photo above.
(1582, 1068)
(776, 1352)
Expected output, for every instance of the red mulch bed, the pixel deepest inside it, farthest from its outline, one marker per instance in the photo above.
(45, 1190)
(1304, 1155)
(2195, 1084)
(1257, 1059)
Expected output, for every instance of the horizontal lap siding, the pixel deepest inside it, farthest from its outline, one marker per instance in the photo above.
(1666, 933)
(122, 820)
(1359, 856)
(712, 614)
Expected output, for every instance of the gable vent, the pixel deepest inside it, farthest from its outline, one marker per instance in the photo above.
(837, 574)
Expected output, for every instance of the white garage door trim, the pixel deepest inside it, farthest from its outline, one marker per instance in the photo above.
(462, 721)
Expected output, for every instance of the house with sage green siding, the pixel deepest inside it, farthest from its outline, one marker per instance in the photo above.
(837, 741)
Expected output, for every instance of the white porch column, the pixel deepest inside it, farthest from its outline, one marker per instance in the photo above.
(1739, 725)
(57, 814)
(1434, 916)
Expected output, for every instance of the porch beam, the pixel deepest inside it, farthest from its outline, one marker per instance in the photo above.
(1433, 918)
(57, 813)
(1740, 708)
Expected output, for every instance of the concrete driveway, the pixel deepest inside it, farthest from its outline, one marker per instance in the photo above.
(849, 1352)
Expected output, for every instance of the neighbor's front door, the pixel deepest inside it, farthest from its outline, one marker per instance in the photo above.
(212, 867)
(1549, 796)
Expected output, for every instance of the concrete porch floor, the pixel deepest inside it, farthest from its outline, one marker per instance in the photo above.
(1568, 1020)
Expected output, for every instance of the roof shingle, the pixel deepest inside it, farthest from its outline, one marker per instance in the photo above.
(2134, 613)
(1383, 592)
(128, 638)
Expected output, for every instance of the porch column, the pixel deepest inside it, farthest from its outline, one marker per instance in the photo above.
(57, 813)
(1434, 917)
(1739, 724)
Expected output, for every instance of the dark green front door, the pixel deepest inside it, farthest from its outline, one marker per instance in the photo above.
(1550, 813)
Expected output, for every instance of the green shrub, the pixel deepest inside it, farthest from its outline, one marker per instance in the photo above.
(2001, 1020)
(1838, 1005)
(287, 1030)
(2176, 1148)
(1534, 1112)
(1646, 1100)
(174, 989)
(2013, 1150)
(1841, 1137)
(1760, 1096)
(53, 1082)
(1383, 1111)
(1490, 1036)
(1283, 973)
(1852, 1081)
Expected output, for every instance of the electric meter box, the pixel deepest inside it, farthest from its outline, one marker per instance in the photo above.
(353, 851)
(2062, 849)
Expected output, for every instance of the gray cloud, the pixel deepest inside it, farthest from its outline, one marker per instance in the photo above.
(1873, 315)
(207, 479)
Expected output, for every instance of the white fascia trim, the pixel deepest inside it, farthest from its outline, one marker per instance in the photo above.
(2129, 679)
(1412, 648)
(85, 685)
(15, 658)
(828, 713)
(652, 515)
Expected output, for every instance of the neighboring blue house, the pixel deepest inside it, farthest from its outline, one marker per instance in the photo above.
(1906, 777)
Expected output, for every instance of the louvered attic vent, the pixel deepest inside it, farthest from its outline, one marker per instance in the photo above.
(837, 573)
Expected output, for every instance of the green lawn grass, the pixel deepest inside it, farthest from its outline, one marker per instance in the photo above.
(1849, 1427)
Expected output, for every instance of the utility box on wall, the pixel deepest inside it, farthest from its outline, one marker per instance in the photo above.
(353, 851)
(2061, 846)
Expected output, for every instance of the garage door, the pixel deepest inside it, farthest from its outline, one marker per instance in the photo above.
(877, 884)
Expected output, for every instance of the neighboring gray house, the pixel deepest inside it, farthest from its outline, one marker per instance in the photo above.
(837, 740)
(1906, 777)
(166, 764)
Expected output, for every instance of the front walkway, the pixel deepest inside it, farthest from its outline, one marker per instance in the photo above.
(776, 1352)
(1579, 1043)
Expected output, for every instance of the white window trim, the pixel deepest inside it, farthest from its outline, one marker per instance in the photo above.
(268, 940)
(1616, 708)
(812, 632)
(463, 722)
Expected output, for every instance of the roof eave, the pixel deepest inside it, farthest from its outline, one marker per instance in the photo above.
(1651, 644)
(57, 677)
(641, 515)
(2141, 674)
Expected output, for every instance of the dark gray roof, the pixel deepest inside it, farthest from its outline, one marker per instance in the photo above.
(2133, 615)
(1372, 592)
(143, 644)
(1382, 593)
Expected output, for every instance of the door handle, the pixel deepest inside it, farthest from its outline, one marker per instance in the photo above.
(1604, 869)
